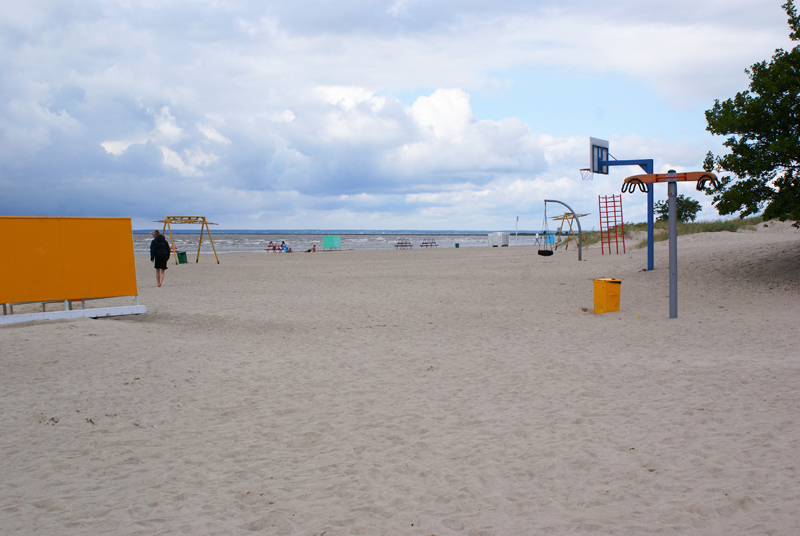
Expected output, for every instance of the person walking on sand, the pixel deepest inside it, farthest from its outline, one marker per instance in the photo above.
(159, 252)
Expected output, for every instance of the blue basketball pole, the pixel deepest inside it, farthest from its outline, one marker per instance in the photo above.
(647, 166)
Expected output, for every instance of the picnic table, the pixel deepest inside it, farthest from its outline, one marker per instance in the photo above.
(403, 243)
(429, 243)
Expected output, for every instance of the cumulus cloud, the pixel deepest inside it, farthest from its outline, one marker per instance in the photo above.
(452, 140)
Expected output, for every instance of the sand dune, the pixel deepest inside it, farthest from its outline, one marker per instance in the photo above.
(450, 391)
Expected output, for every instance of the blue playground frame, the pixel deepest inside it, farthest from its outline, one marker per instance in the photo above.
(647, 166)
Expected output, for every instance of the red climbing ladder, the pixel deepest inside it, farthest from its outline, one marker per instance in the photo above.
(611, 226)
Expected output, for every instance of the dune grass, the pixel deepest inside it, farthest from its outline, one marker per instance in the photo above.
(591, 237)
(714, 226)
(661, 229)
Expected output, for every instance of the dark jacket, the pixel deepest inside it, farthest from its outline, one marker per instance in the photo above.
(159, 247)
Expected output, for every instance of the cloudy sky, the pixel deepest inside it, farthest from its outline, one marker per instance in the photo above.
(359, 114)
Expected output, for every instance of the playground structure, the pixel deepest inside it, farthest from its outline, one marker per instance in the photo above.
(569, 218)
(601, 160)
(640, 181)
(672, 178)
(189, 220)
(543, 248)
(611, 224)
(46, 262)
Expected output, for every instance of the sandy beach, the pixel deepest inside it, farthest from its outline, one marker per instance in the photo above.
(424, 392)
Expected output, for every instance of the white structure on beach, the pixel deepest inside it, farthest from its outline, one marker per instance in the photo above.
(499, 239)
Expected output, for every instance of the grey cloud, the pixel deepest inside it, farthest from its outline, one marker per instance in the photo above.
(74, 75)
(400, 16)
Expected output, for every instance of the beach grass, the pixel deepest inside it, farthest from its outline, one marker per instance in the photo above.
(591, 237)
(661, 229)
(712, 226)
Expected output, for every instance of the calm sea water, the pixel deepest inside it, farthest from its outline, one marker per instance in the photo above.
(255, 242)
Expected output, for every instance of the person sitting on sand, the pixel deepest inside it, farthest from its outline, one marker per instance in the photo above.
(285, 248)
(312, 249)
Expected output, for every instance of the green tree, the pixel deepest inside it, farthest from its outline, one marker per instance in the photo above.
(686, 207)
(764, 128)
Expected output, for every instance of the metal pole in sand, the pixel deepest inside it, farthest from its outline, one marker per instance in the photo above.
(672, 193)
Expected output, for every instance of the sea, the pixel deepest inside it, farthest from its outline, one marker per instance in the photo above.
(245, 241)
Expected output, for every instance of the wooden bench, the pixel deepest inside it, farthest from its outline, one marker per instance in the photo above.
(276, 248)
(403, 243)
(429, 243)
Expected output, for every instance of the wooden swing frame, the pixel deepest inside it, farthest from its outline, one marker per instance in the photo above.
(569, 218)
(189, 220)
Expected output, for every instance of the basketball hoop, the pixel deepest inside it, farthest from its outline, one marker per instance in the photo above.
(587, 174)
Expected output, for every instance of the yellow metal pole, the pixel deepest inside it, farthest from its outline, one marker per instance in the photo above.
(199, 244)
(171, 242)
(211, 239)
(573, 233)
(559, 231)
(569, 233)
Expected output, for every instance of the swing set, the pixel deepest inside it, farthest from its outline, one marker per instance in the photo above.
(568, 218)
(546, 247)
(204, 225)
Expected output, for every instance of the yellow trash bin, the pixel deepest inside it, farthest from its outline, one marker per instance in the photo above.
(606, 295)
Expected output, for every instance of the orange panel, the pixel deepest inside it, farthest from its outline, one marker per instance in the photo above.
(32, 263)
(65, 258)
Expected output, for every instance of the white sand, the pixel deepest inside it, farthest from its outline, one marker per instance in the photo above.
(457, 391)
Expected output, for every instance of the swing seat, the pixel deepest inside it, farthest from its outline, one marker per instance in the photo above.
(545, 252)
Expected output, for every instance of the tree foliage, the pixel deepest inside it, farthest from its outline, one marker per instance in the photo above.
(686, 207)
(764, 128)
